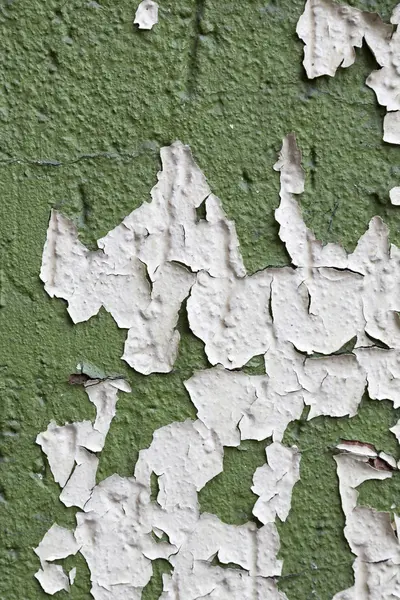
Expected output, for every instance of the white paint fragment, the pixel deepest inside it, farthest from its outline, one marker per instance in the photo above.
(331, 31)
(69, 448)
(52, 578)
(252, 549)
(184, 456)
(391, 126)
(146, 14)
(270, 414)
(274, 482)
(304, 249)
(369, 533)
(383, 373)
(152, 342)
(334, 385)
(395, 17)
(239, 406)
(79, 486)
(221, 398)
(308, 305)
(147, 242)
(57, 543)
(394, 195)
(396, 430)
(232, 317)
(113, 532)
(72, 575)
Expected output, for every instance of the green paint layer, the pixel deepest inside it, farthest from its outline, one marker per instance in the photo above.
(86, 101)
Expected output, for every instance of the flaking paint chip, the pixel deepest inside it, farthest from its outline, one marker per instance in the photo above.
(146, 14)
(274, 482)
(331, 32)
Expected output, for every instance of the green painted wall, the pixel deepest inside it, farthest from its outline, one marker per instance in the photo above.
(86, 101)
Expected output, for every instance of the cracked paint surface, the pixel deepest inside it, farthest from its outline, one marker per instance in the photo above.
(357, 292)
(60, 159)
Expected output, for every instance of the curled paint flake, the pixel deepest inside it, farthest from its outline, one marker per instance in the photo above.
(83, 479)
(274, 481)
(146, 14)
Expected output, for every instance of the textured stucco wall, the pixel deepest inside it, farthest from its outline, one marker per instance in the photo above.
(85, 103)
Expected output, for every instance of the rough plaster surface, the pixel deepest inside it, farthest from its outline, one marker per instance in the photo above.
(78, 131)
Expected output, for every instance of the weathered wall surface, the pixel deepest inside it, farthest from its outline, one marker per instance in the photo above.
(86, 102)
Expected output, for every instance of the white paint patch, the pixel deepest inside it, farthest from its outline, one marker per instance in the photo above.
(331, 31)
(274, 482)
(298, 317)
(394, 196)
(70, 448)
(150, 241)
(391, 127)
(146, 14)
(52, 578)
(370, 533)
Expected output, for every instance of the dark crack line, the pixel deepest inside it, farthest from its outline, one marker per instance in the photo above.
(194, 60)
(122, 156)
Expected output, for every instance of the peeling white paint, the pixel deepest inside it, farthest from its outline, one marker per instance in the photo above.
(273, 483)
(70, 448)
(52, 578)
(331, 31)
(391, 127)
(370, 533)
(394, 195)
(146, 14)
(298, 317)
(151, 240)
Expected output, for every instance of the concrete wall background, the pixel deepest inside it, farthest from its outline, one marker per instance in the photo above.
(85, 103)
